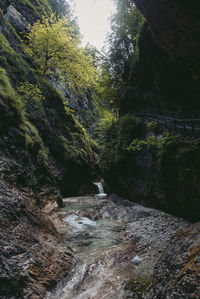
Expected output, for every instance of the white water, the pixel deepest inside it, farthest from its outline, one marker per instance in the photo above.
(115, 248)
(78, 222)
(101, 193)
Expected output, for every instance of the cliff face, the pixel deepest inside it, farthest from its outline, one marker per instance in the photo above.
(176, 274)
(163, 176)
(50, 131)
(175, 28)
(166, 77)
(44, 153)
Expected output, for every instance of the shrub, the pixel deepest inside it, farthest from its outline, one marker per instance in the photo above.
(117, 138)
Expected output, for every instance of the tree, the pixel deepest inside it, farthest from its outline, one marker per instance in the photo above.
(61, 7)
(119, 63)
(126, 26)
(54, 45)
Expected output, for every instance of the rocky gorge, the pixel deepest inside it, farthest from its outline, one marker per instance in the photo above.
(56, 241)
(116, 245)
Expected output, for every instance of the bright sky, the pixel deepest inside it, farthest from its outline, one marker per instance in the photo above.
(93, 18)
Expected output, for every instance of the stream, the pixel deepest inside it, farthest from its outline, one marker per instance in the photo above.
(115, 244)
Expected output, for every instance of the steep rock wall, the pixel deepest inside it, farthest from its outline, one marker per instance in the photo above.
(166, 77)
(44, 153)
(175, 27)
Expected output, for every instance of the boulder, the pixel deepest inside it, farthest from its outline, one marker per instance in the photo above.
(16, 19)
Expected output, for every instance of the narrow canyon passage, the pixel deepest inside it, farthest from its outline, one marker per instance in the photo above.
(115, 244)
(107, 91)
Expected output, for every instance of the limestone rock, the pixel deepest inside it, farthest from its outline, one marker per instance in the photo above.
(32, 256)
(175, 28)
(16, 18)
(177, 273)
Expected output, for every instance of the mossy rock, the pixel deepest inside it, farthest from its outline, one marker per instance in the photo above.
(138, 285)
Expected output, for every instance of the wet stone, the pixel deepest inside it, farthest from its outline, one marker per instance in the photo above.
(116, 247)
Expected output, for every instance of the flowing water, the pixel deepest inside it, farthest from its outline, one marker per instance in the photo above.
(115, 244)
(101, 193)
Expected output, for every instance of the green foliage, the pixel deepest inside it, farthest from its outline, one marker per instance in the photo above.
(8, 92)
(152, 125)
(30, 92)
(32, 98)
(67, 108)
(117, 138)
(152, 141)
(106, 93)
(106, 121)
(126, 26)
(9, 28)
(71, 151)
(16, 67)
(92, 143)
(54, 45)
(118, 64)
(31, 134)
(180, 170)
(41, 7)
(24, 88)
(76, 148)
(78, 144)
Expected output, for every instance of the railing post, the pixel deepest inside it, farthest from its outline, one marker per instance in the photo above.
(175, 124)
(193, 125)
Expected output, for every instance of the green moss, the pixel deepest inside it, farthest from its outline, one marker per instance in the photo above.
(77, 148)
(138, 285)
(16, 67)
(44, 154)
(33, 139)
(41, 7)
(93, 143)
(8, 92)
(31, 133)
(15, 70)
(9, 28)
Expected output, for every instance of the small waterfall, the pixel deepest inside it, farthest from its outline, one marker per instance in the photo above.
(100, 187)
(101, 193)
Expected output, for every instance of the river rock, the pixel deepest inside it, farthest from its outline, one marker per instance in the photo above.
(177, 273)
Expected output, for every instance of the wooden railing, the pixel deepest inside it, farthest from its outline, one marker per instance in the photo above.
(188, 125)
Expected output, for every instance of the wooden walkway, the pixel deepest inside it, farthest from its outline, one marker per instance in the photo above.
(189, 125)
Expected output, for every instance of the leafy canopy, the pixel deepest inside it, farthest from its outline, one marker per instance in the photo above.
(54, 44)
(30, 92)
(126, 26)
(152, 141)
(118, 66)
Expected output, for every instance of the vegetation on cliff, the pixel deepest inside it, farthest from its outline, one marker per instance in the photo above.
(138, 76)
(44, 152)
(44, 113)
(54, 45)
